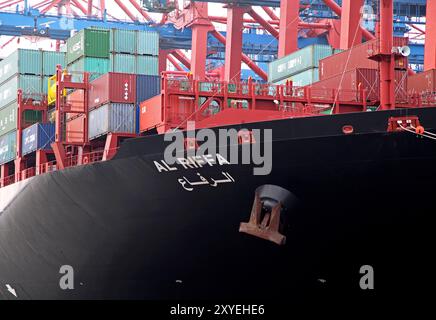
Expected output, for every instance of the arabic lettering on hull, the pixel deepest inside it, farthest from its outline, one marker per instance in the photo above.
(189, 185)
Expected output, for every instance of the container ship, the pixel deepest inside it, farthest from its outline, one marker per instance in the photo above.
(340, 192)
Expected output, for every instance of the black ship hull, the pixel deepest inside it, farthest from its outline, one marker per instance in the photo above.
(132, 232)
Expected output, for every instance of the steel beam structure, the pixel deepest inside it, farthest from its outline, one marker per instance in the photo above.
(351, 32)
(163, 59)
(245, 58)
(200, 29)
(179, 55)
(257, 18)
(338, 10)
(232, 69)
(430, 36)
(174, 63)
(289, 19)
(387, 62)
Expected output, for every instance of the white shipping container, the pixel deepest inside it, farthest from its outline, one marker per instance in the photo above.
(112, 117)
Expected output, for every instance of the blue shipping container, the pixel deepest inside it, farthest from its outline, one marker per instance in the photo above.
(38, 137)
(147, 87)
(138, 109)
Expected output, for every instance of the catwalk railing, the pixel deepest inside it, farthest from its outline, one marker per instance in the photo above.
(184, 99)
(86, 158)
(261, 91)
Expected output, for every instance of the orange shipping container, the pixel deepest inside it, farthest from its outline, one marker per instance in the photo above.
(357, 57)
(150, 113)
(423, 83)
(349, 83)
(75, 130)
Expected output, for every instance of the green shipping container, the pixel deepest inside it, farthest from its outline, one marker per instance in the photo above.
(50, 59)
(123, 63)
(147, 43)
(8, 118)
(123, 41)
(95, 66)
(31, 86)
(301, 60)
(32, 116)
(88, 43)
(45, 85)
(22, 61)
(302, 79)
(8, 147)
(147, 65)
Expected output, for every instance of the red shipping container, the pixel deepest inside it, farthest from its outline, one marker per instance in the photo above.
(75, 128)
(112, 87)
(76, 102)
(349, 83)
(401, 85)
(423, 83)
(150, 113)
(357, 57)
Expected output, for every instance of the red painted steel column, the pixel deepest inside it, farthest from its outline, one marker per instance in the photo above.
(89, 8)
(387, 82)
(19, 164)
(245, 58)
(430, 36)
(163, 56)
(351, 33)
(59, 89)
(19, 167)
(289, 19)
(4, 173)
(200, 29)
(337, 9)
(102, 8)
(232, 69)
(41, 159)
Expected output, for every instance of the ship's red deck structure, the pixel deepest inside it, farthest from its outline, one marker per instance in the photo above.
(185, 99)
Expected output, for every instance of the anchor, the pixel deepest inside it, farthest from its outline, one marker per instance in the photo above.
(267, 214)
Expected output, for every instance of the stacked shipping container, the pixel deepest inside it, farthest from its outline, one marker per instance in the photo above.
(134, 51)
(300, 67)
(423, 83)
(125, 52)
(99, 51)
(112, 101)
(88, 50)
(26, 70)
(352, 69)
(37, 137)
(358, 57)
(146, 88)
(113, 98)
